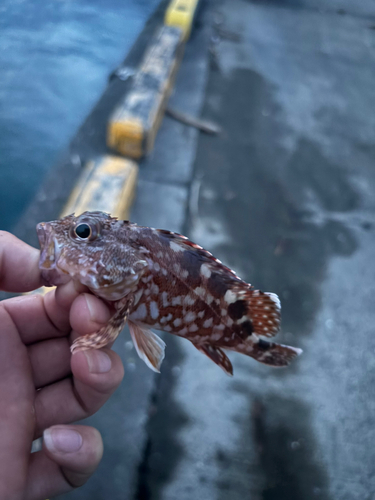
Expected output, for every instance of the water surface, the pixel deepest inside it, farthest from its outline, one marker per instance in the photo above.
(55, 58)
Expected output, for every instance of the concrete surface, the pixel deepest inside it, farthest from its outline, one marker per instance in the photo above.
(364, 8)
(285, 197)
(161, 201)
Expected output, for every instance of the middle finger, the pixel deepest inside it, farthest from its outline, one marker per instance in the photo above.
(50, 361)
(77, 397)
(50, 358)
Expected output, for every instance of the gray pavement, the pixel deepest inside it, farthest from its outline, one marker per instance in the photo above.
(285, 197)
(161, 201)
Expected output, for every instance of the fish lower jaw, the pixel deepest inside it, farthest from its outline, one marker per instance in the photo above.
(53, 277)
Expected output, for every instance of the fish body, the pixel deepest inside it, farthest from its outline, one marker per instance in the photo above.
(161, 280)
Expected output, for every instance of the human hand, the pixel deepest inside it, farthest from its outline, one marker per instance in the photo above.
(43, 387)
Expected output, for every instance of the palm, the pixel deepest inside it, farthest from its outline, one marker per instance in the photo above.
(41, 385)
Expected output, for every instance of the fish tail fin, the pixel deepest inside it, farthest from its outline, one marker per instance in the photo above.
(267, 352)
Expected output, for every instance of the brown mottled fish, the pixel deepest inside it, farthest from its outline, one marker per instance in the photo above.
(159, 279)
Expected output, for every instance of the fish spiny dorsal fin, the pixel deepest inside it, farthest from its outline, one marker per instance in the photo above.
(185, 244)
(262, 309)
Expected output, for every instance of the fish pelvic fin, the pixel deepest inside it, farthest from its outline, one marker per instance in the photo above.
(267, 352)
(149, 346)
(218, 356)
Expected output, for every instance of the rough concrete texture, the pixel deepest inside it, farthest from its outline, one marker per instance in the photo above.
(284, 195)
(122, 422)
(364, 8)
(161, 201)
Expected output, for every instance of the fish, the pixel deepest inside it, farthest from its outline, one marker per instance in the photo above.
(160, 280)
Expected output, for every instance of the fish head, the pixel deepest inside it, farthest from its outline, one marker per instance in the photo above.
(91, 249)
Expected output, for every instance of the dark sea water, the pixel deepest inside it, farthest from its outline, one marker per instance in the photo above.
(55, 58)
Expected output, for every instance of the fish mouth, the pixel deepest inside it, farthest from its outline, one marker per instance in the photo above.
(50, 252)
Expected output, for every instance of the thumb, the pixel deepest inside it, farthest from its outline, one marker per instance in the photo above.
(70, 455)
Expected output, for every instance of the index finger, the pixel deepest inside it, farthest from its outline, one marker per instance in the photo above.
(19, 271)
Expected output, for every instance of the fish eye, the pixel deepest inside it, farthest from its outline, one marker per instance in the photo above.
(83, 231)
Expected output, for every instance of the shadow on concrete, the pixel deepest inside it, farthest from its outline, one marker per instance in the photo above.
(276, 204)
(162, 450)
(279, 203)
(287, 460)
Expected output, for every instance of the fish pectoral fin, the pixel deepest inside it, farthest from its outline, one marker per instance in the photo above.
(218, 356)
(108, 333)
(149, 346)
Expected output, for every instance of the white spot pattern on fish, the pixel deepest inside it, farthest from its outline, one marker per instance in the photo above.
(161, 279)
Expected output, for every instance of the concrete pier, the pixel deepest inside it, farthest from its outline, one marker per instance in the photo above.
(285, 196)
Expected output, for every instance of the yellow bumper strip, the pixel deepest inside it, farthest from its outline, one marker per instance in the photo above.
(180, 13)
(133, 125)
(106, 184)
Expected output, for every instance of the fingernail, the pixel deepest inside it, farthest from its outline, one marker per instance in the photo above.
(60, 439)
(91, 302)
(98, 361)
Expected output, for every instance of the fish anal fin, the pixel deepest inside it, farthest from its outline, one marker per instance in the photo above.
(149, 346)
(218, 356)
